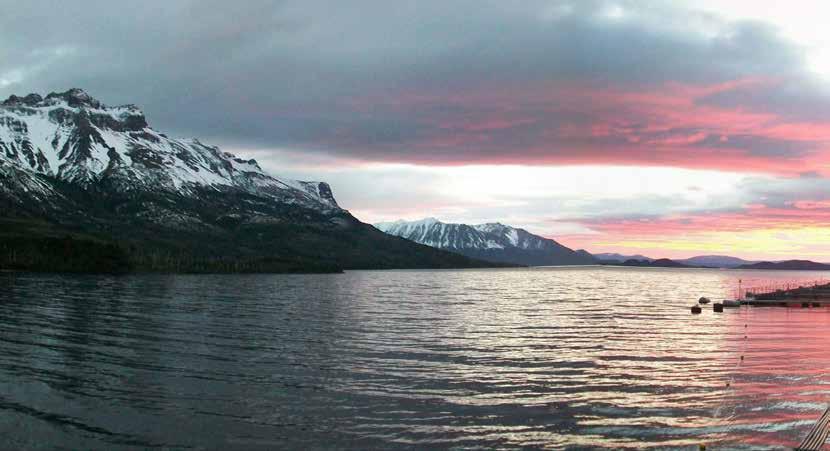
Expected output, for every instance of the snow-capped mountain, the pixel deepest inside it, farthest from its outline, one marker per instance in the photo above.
(89, 187)
(491, 241)
(434, 233)
(74, 138)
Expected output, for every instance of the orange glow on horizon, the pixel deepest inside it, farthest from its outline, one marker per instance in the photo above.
(811, 243)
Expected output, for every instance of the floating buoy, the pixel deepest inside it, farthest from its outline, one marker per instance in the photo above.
(717, 307)
(703, 300)
(696, 310)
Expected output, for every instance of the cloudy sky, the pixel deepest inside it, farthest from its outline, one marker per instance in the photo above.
(666, 128)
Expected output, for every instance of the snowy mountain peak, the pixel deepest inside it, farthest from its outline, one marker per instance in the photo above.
(494, 241)
(29, 100)
(493, 227)
(426, 222)
(432, 232)
(76, 97)
(435, 233)
(75, 138)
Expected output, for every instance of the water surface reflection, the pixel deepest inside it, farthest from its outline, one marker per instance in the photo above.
(549, 357)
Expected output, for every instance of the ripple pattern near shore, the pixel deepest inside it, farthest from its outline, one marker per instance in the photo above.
(548, 357)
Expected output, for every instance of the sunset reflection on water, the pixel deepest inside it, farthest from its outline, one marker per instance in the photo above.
(555, 358)
(783, 384)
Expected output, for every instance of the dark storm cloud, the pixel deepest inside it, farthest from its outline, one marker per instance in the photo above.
(339, 77)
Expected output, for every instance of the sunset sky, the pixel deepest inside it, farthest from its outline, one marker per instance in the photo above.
(665, 128)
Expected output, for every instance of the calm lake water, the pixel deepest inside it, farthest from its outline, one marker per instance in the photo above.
(548, 357)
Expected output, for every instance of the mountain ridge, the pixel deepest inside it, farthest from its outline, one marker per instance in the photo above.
(719, 262)
(620, 257)
(715, 261)
(489, 241)
(788, 265)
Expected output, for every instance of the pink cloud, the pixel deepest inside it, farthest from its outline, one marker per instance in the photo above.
(558, 123)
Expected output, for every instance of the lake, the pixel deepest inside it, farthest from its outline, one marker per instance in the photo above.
(593, 357)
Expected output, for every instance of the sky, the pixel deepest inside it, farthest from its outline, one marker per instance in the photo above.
(668, 128)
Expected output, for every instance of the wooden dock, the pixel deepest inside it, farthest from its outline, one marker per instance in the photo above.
(816, 295)
(809, 293)
(818, 435)
(787, 302)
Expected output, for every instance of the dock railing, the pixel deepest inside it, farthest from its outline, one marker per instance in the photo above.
(783, 289)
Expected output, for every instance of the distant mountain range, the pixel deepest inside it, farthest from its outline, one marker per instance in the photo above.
(716, 261)
(496, 242)
(658, 263)
(707, 261)
(711, 261)
(606, 257)
(90, 187)
(795, 265)
(493, 242)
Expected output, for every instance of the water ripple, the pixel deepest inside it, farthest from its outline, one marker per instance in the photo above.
(526, 358)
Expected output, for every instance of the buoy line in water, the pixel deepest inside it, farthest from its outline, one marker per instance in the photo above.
(817, 435)
(731, 420)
